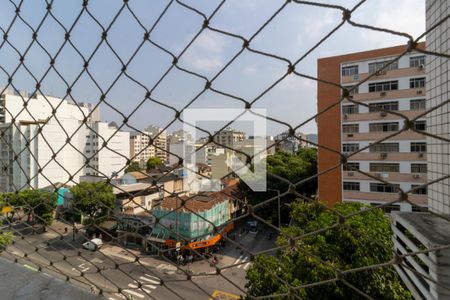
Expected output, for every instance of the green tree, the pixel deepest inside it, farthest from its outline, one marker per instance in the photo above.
(292, 167)
(153, 162)
(37, 204)
(134, 166)
(5, 240)
(93, 200)
(362, 240)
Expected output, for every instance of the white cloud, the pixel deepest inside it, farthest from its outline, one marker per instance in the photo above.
(402, 15)
(294, 82)
(207, 52)
(406, 16)
(250, 70)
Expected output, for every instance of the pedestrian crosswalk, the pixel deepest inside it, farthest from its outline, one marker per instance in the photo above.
(147, 284)
(242, 262)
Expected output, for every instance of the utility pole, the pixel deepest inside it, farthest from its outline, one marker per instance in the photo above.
(279, 206)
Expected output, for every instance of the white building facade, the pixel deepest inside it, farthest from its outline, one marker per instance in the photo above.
(108, 150)
(401, 159)
(427, 273)
(44, 142)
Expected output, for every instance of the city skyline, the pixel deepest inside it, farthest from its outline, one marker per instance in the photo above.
(207, 55)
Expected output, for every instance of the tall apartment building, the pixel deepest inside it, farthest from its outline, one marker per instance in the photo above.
(348, 127)
(146, 144)
(229, 136)
(34, 147)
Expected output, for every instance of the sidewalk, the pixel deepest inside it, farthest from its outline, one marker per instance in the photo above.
(226, 257)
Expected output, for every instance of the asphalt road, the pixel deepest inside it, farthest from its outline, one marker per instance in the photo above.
(120, 279)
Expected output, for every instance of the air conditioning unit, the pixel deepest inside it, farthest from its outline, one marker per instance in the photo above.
(383, 155)
(417, 176)
(350, 135)
(421, 154)
(383, 113)
(350, 173)
(379, 175)
(383, 94)
(380, 72)
(419, 92)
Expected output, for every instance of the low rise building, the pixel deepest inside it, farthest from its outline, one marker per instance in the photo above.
(188, 222)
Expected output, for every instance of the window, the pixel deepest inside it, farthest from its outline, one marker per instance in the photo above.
(391, 105)
(418, 168)
(384, 188)
(420, 125)
(373, 67)
(350, 128)
(350, 166)
(350, 109)
(353, 89)
(419, 191)
(384, 147)
(350, 147)
(349, 70)
(417, 61)
(384, 167)
(350, 186)
(419, 208)
(383, 86)
(417, 104)
(418, 147)
(387, 208)
(383, 127)
(415, 83)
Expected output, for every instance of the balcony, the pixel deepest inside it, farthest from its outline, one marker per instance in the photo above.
(404, 72)
(395, 94)
(387, 176)
(371, 116)
(375, 136)
(419, 200)
(391, 156)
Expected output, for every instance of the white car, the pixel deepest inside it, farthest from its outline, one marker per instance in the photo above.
(93, 244)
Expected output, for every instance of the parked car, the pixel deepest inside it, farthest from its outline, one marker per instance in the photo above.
(93, 244)
(252, 226)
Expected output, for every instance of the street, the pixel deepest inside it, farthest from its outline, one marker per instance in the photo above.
(118, 276)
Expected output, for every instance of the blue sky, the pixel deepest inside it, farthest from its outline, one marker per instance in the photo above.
(295, 30)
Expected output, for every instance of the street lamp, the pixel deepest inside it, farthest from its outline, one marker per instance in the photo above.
(279, 214)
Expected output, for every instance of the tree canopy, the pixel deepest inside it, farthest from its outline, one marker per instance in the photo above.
(5, 240)
(134, 166)
(93, 200)
(153, 162)
(39, 205)
(292, 167)
(362, 240)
